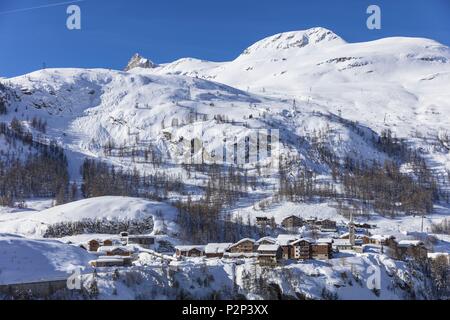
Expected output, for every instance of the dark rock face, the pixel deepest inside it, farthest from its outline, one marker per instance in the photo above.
(137, 61)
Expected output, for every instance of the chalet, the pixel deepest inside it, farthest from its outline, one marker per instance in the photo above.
(190, 251)
(142, 241)
(292, 222)
(384, 240)
(93, 245)
(301, 249)
(103, 263)
(328, 241)
(325, 240)
(245, 245)
(364, 238)
(412, 248)
(321, 251)
(328, 225)
(240, 255)
(107, 243)
(360, 239)
(311, 220)
(363, 225)
(284, 241)
(262, 221)
(342, 244)
(216, 250)
(269, 254)
(120, 251)
(115, 251)
(266, 240)
(111, 261)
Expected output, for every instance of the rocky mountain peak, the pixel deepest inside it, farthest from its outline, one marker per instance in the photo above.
(137, 61)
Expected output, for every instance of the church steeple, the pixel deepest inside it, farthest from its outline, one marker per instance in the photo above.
(351, 230)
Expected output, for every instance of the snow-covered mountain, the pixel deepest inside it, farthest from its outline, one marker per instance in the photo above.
(293, 78)
(328, 98)
(401, 81)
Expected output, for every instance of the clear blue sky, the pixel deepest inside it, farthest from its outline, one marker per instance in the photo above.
(112, 30)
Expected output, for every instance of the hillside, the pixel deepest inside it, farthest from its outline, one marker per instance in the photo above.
(188, 152)
(26, 260)
(104, 209)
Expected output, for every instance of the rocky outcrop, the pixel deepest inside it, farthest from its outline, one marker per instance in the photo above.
(137, 61)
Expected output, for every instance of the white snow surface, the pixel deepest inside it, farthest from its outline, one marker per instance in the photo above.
(26, 260)
(32, 223)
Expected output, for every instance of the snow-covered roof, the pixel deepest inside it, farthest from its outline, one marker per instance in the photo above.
(212, 248)
(268, 247)
(292, 216)
(113, 248)
(302, 239)
(140, 237)
(357, 235)
(244, 240)
(108, 259)
(381, 237)
(240, 254)
(112, 257)
(190, 247)
(324, 240)
(285, 239)
(342, 242)
(409, 243)
(322, 244)
(269, 239)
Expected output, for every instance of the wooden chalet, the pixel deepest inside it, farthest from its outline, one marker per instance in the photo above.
(292, 222)
(115, 251)
(285, 242)
(266, 240)
(328, 225)
(245, 245)
(359, 238)
(111, 261)
(412, 248)
(301, 249)
(269, 254)
(321, 251)
(382, 240)
(107, 243)
(141, 240)
(190, 251)
(216, 250)
(342, 244)
(93, 245)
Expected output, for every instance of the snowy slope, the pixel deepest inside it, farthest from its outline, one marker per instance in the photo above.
(35, 223)
(25, 260)
(396, 81)
(346, 277)
(299, 82)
